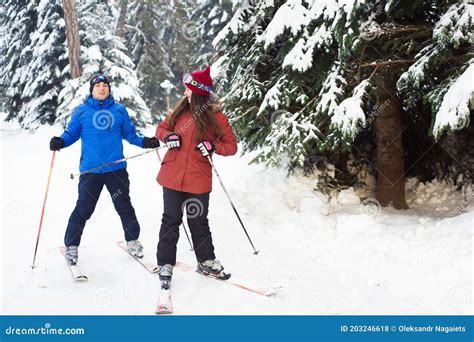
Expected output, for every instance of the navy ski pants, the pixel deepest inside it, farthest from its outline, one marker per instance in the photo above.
(90, 187)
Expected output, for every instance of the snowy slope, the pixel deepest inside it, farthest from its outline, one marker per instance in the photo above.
(353, 261)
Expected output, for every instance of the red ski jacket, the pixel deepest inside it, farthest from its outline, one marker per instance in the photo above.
(185, 169)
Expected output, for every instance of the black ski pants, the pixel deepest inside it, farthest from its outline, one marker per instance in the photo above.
(197, 207)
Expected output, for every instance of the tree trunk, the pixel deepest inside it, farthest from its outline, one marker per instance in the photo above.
(119, 30)
(390, 152)
(72, 36)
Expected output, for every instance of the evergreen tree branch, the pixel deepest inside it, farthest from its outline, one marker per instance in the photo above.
(388, 63)
(391, 29)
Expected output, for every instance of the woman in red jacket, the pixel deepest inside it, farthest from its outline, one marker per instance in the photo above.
(193, 131)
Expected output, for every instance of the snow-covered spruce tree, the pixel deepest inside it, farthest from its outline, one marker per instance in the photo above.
(103, 52)
(3, 49)
(205, 23)
(313, 77)
(148, 41)
(18, 20)
(183, 35)
(392, 44)
(443, 70)
(157, 38)
(440, 83)
(280, 97)
(256, 88)
(48, 58)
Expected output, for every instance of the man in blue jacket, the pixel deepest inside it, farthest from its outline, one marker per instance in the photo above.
(101, 124)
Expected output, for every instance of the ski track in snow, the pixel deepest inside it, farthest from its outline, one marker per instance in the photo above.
(347, 262)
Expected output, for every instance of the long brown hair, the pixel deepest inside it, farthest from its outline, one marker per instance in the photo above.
(202, 109)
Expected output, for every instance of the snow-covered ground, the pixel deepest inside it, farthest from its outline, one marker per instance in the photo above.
(346, 258)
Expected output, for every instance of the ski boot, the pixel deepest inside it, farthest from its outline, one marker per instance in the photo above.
(135, 248)
(165, 272)
(71, 255)
(212, 268)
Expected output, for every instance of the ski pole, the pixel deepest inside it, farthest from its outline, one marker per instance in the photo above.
(114, 162)
(158, 154)
(231, 203)
(42, 210)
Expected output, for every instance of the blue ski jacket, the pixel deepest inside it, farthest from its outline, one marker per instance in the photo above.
(101, 126)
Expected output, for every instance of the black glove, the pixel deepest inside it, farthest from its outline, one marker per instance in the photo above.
(56, 144)
(151, 142)
(206, 148)
(173, 141)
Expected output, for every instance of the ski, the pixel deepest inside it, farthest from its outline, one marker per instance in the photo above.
(164, 305)
(147, 264)
(267, 292)
(76, 273)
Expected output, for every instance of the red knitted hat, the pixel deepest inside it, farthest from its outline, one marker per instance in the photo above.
(200, 82)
